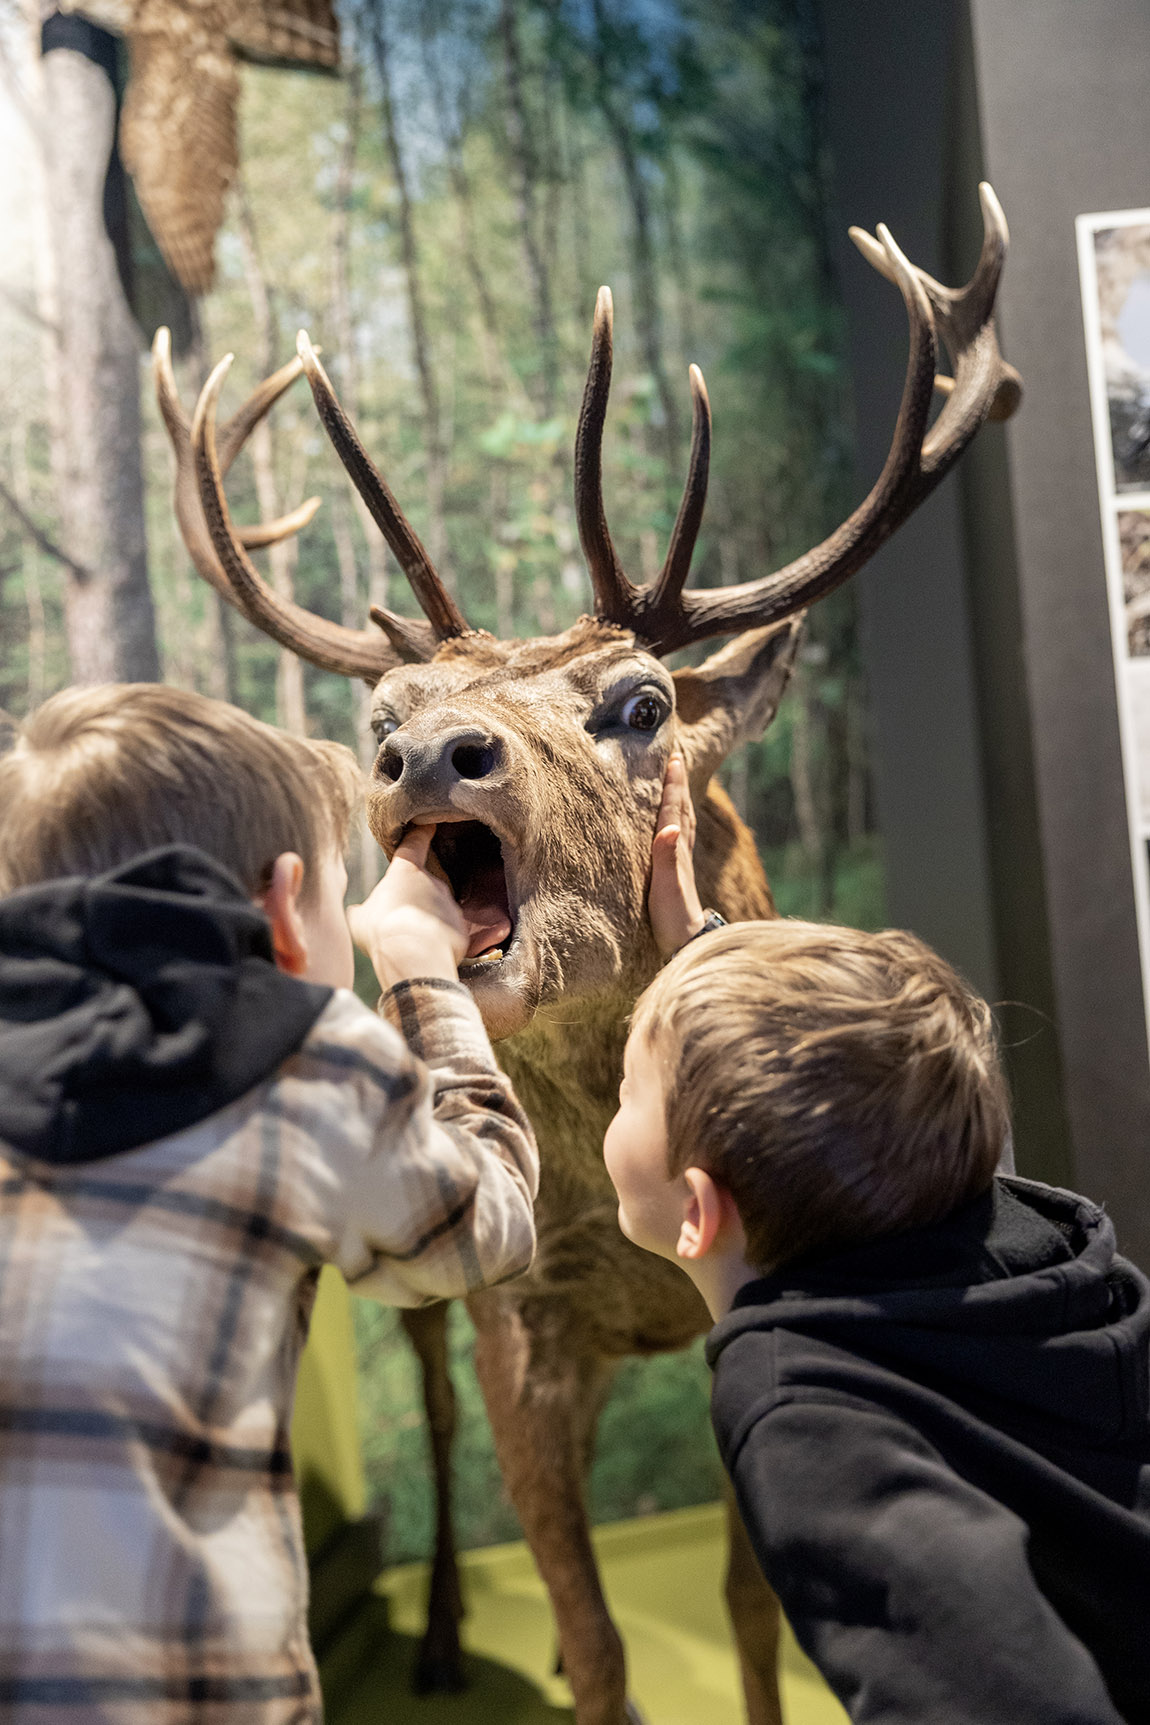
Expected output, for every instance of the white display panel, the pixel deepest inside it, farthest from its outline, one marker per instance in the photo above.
(1114, 267)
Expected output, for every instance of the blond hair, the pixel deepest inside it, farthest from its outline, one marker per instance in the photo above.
(97, 775)
(841, 1085)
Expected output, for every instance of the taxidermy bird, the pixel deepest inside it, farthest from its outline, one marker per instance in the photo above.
(178, 124)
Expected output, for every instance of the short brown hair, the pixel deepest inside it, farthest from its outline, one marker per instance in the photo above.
(97, 775)
(841, 1085)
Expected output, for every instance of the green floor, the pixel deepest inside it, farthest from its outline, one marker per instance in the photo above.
(663, 1577)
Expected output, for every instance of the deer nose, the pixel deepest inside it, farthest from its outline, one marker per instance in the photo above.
(433, 767)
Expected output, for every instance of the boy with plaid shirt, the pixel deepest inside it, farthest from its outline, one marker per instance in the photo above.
(195, 1115)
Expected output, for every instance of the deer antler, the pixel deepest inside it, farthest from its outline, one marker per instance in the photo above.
(613, 592)
(331, 646)
(444, 615)
(232, 438)
(983, 386)
(616, 599)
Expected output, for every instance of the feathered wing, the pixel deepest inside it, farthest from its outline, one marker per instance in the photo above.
(178, 129)
(301, 33)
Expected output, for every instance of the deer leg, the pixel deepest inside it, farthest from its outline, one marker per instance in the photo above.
(439, 1665)
(754, 1612)
(532, 1388)
(595, 1379)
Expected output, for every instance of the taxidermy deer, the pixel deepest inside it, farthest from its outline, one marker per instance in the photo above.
(542, 763)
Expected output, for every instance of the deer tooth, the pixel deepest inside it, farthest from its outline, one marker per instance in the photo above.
(484, 961)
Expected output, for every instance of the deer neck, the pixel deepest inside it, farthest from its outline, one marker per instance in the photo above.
(566, 1066)
(573, 1050)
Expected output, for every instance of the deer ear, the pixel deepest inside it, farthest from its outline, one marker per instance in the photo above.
(732, 697)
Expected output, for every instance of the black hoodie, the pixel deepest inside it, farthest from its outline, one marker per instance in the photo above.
(940, 1445)
(135, 1004)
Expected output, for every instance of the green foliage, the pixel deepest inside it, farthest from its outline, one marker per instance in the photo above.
(655, 1449)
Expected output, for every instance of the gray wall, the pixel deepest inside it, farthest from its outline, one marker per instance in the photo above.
(985, 627)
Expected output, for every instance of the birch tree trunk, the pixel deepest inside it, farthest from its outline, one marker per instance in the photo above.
(647, 309)
(283, 558)
(450, 133)
(353, 605)
(804, 776)
(30, 558)
(429, 394)
(679, 258)
(524, 168)
(220, 669)
(344, 361)
(108, 604)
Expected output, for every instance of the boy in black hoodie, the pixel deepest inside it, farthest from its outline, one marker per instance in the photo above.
(930, 1383)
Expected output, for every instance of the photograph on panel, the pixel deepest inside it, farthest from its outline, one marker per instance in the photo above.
(1122, 260)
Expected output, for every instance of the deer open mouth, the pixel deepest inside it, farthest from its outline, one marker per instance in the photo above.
(472, 859)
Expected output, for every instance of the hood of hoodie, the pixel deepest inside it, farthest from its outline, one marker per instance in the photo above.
(1018, 1297)
(136, 1003)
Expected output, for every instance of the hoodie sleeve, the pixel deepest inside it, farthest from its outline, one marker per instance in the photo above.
(434, 1160)
(909, 1588)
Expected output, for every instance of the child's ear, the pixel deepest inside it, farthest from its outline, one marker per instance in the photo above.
(709, 1220)
(280, 904)
(704, 1216)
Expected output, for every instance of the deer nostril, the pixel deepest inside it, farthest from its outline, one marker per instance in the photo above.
(391, 764)
(473, 760)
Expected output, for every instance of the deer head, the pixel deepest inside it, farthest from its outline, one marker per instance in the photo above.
(542, 761)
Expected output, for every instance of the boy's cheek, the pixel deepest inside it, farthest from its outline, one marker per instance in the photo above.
(610, 1144)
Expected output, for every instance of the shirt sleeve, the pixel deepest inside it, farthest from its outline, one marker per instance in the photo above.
(439, 1202)
(908, 1587)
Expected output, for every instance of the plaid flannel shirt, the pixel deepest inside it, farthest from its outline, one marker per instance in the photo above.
(153, 1306)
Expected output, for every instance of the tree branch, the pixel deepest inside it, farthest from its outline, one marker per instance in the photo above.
(48, 546)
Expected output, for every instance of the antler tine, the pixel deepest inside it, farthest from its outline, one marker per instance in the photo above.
(729, 610)
(232, 437)
(167, 394)
(972, 305)
(965, 323)
(234, 432)
(413, 638)
(271, 532)
(442, 612)
(983, 385)
(331, 646)
(615, 598)
(963, 316)
(677, 564)
(981, 291)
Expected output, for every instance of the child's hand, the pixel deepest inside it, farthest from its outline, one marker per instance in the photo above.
(676, 913)
(410, 925)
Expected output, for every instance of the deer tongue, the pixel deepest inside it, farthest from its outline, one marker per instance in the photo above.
(486, 910)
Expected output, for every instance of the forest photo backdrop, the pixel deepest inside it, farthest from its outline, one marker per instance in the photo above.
(440, 218)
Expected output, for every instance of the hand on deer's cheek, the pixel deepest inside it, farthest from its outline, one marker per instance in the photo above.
(673, 897)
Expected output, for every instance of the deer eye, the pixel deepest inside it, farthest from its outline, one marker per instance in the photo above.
(643, 712)
(383, 724)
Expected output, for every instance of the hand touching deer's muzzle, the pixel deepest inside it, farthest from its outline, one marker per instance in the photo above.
(411, 925)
